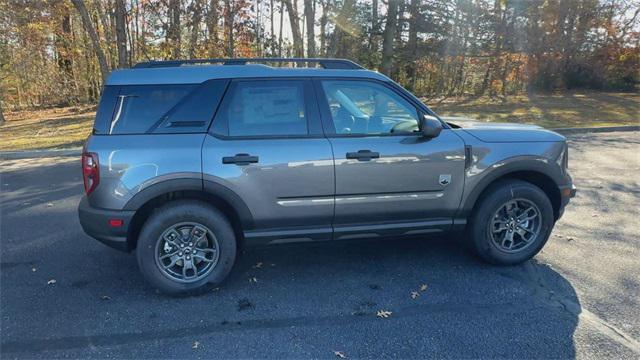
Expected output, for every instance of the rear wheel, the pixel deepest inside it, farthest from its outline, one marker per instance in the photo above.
(184, 246)
(512, 223)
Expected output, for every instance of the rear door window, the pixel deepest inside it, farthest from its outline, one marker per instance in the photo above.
(263, 108)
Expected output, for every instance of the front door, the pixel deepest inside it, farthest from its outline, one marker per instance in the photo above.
(266, 145)
(389, 179)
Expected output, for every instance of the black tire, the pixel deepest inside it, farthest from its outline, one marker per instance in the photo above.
(178, 212)
(480, 228)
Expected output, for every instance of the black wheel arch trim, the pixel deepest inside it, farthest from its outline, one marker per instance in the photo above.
(193, 184)
(514, 165)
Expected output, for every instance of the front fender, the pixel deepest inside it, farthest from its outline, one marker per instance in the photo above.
(479, 177)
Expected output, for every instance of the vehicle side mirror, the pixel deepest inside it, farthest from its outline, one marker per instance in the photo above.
(430, 126)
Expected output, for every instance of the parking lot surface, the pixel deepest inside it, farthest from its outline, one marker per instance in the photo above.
(63, 294)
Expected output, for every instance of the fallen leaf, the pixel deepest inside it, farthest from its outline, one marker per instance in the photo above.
(195, 345)
(423, 287)
(253, 280)
(258, 265)
(340, 354)
(414, 294)
(105, 297)
(51, 282)
(383, 314)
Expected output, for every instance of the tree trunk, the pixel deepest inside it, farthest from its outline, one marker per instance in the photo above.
(311, 36)
(228, 24)
(174, 30)
(323, 28)
(88, 26)
(196, 19)
(272, 34)
(281, 24)
(413, 42)
(373, 35)
(388, 37)
(295, 29)
(212, 27)
(121, 34)
(1, 114)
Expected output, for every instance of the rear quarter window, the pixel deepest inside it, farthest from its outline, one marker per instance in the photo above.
(140, 109)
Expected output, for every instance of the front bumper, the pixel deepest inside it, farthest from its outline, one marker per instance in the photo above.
(566, 193)
(95, 222)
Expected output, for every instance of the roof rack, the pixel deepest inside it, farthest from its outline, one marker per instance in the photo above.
(325, 63)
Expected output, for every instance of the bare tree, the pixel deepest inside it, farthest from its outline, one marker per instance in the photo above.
(174, 30)
(281, 24)
(196, 19)
(88, 26)
(121, 34)
(295, 29)
(229, 17)
(388, 37)
(310, 15)
(413, 42)
(324, 19)
(212, 27)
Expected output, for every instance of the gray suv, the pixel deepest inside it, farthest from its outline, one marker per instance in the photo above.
(191, 160)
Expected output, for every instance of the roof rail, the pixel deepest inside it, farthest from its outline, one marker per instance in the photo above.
(325, 63)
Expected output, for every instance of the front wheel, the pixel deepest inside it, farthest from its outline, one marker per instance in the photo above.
(512, 223)
(184, 246)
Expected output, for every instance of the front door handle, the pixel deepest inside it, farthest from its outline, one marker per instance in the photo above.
(363, 155)
(240, 159)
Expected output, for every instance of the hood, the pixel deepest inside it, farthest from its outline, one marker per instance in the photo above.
(503, 132)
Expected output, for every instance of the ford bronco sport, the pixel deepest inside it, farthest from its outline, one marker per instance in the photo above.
(190, 160)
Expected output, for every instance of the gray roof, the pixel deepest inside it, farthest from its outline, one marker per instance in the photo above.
(195, 74)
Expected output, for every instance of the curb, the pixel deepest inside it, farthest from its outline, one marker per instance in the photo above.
(15, 155)
(585, 130)
(28, 154)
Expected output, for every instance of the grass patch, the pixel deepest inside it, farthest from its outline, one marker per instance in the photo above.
(566, 109)
(57, 128)
(68, 127)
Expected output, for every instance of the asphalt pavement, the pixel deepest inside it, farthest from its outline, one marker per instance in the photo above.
(65, 295)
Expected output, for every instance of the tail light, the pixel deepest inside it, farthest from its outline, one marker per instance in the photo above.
(90, 171)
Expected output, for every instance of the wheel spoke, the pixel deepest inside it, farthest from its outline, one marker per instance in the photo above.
(188, 265)
(524, 216)
(197, 234)
(202, 257)
(174, 260)
(172, 235)
(502, 226)
(169, 255)
(507, 241)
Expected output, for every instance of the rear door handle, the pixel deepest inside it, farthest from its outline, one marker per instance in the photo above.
(363, 155)
(240, 159)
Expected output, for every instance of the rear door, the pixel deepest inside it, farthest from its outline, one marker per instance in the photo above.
(389, 179)
(266, 145)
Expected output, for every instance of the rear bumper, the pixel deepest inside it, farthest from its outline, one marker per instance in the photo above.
(95, 223)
